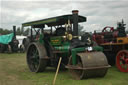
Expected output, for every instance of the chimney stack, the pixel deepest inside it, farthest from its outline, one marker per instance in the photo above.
(75, 22)
(14, 31)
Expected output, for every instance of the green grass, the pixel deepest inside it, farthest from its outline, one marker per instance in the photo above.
(14, 71)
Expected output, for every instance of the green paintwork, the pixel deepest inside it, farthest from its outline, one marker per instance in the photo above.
(74, 51)
(40, 22)
(98, 48)
(56, 40)
(41, 38)
(55, 21)
(64, 47)
(59, 44)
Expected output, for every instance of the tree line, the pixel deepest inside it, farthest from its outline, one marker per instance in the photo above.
(18, 31)
(81, 31)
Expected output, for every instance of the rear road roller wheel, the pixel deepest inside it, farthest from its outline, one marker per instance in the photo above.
(93, 64)
(36, 54)
(122, 60)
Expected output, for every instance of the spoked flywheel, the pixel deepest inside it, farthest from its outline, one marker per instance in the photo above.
(122, 60)
(93, 64)
(36, 54)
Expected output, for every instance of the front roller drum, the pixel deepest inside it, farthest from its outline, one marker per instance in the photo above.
(122, 60)
(93, 64)
(36, 57)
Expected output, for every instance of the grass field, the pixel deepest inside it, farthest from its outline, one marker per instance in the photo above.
(14, 71)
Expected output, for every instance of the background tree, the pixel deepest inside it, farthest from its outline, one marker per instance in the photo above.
(81, 30)
(4, 31)
(26, 32)
(18, 31)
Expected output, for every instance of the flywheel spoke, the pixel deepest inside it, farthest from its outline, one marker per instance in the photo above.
(122, 61)
(35, 63)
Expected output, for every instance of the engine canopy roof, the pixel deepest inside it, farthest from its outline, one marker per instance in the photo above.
(54, 21)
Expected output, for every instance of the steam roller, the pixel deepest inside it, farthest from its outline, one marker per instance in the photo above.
(79, 54)
(88, 65)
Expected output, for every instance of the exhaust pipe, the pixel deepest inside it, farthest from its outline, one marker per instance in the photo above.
(14, 31)
(75, 22)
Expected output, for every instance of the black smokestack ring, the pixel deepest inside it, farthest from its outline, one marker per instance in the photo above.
(75, 22)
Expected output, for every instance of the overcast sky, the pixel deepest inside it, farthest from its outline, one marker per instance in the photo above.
(99, 13)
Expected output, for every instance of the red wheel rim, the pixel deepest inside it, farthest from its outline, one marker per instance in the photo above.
(122, 61)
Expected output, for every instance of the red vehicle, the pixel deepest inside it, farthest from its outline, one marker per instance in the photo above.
(115, 44)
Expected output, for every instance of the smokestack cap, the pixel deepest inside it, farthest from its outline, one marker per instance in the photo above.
(75, 11)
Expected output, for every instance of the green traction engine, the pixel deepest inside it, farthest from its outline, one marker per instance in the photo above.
(57, 37)
(8, 42)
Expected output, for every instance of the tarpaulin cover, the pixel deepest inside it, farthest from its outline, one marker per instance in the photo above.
(5, 39)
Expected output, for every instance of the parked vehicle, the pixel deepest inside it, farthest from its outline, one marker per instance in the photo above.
(21, 46)
(9, 43)
(115, 44)
(45, 48)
